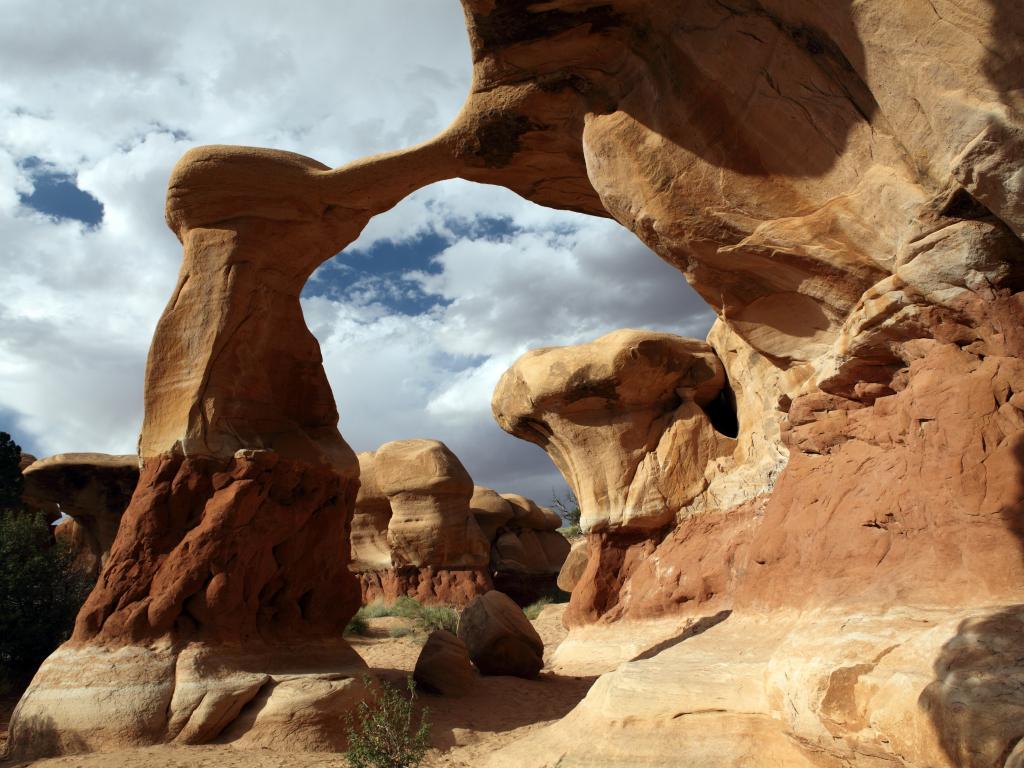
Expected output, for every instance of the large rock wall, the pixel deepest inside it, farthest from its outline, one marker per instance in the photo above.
(842, 185)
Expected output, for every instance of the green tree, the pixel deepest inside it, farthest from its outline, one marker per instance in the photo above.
(40, 594)
(10, 473)
(40, 589)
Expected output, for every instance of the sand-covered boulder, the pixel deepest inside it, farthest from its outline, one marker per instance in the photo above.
(500, 639)
(92, 488)
(444, 666)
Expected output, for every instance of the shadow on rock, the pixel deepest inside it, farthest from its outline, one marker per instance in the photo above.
(500, 704)
(976, 702)
(698, 627)
(40, 735)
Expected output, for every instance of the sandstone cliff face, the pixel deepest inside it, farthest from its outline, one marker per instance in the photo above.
(93, 489)
(844, 188)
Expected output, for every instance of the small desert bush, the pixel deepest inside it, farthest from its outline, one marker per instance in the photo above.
(397, 632)
(439, 617)
(357, 624)
(427, 617)
(382, 734)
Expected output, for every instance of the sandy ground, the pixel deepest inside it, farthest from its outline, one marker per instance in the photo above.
(464, 730)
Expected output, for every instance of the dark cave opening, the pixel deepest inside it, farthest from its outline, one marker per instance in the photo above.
(722, 412)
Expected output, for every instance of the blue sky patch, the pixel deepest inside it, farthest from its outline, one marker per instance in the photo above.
(375, 275)
(57, 195)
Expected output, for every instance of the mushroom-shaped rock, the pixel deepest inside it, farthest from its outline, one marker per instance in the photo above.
(574, 565)
(491, 510)
(500, 639)
(444, 666)
(622, 418)
(92, 488)
(429, 491)
(370, 548)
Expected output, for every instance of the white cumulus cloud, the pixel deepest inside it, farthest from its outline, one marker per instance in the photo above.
(111, 94)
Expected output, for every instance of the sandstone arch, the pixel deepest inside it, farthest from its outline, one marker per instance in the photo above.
(859, 235)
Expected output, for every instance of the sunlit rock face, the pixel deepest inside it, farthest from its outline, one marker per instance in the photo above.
(840, 188)
(413, 532)
(843, 186)
(623, 419)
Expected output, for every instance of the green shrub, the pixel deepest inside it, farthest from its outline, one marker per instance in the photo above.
(439, 617)
(10, 473)
(357, 625)
(406, 608)
(382, 734)
(40, 593)
(427, 617)
(397, 632)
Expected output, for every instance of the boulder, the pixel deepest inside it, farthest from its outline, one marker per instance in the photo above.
(574, 565)
(444, 666)
(500, 639)
(76, 539)
(529, 514)
(370, 520)
(92, 488)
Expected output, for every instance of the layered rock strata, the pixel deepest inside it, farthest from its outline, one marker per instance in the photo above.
(93, 490)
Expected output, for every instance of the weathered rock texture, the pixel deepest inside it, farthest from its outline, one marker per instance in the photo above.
(444, 666)
(844, 188)
(422, 529)
(622, 419)
(93, 489)
(499, 637)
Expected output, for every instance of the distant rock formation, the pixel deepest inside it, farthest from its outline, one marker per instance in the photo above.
(93, 490)
(422, 529)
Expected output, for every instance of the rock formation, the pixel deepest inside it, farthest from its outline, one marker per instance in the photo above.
(499, 637)
(444, 666)
(422, 529)
(844, 188)
(412, 531)
(527, 552)
(93, 489)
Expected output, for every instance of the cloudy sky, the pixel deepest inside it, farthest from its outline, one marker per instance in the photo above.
(417, 319)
